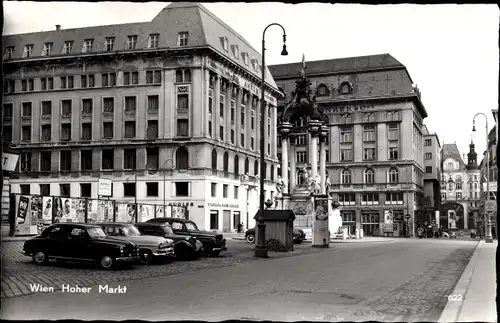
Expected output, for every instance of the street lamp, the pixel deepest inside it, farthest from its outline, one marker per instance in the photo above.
(487, 218)
(164, 183)
(261, 248)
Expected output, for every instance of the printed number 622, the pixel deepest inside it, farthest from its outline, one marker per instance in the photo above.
(455, 297)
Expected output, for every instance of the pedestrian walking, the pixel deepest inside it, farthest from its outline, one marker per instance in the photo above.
(240, 226)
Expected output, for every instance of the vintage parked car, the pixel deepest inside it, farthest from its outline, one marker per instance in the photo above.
(185, 247)
(213, 243)
(149, 247)
(81, 243)
(298, 235)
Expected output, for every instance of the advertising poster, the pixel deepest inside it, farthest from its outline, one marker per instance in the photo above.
(388, 221)
(46, 214)
(452, 219)
(58, 209)
(177, 212)
(36, 208)
(130, 213)
(78, 209)
(146, 212)
(105, 211)
(321, 208)
(23, 220)
(121, 212)
(92, 211)
(160, 211)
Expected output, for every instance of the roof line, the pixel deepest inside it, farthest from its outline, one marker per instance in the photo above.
(362, 70)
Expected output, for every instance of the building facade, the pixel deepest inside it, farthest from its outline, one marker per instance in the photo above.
(375, 149)
(432, 176)
(167, 109)
(460, 188)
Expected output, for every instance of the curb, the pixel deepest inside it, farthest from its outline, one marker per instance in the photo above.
(452, 309)
(354, 241)
(12, 239)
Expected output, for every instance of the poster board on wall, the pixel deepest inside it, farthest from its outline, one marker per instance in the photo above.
(23, 216)
(388, 221)
(146, 212)
(105, 211)
(121, 212)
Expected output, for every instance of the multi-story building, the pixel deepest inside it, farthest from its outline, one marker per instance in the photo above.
(460, 187)
(172, 102)
(375, 159)
(493, 179)
(432, 176)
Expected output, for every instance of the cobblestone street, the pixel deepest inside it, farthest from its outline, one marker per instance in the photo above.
(18, 271)
(405, 280)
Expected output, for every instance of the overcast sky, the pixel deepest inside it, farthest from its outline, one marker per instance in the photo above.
(450, 51)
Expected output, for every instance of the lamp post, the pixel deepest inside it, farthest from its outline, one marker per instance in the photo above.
(164, 183)
(487, 219)
(260, 248)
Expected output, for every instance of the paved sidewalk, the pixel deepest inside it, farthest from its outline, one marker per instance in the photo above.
(474, 296)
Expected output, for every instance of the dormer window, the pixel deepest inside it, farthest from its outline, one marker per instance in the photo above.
(9, 52)
(154, 40)
(224, 42)
(28, 51)
(254, 64)
(236, 51)
(131, 42)
(109, 43)
(245, 58)
(47, 49)
(322, 90)
(67, 47)
(182, 38)
(345, 88)
(87, 45)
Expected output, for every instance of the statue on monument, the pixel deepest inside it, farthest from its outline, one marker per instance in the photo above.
(315, 184)
(280, 186)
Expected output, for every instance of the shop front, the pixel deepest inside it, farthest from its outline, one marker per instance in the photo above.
(224, 217)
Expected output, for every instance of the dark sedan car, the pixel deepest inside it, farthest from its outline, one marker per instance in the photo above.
(298, 235)
(149, 247)
(185, 247)
(82, 243)
(213, 243)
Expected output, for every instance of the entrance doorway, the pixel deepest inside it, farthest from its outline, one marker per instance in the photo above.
(236, 219)
(226, 221)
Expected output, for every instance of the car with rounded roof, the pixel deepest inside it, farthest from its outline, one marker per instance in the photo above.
(79, 242)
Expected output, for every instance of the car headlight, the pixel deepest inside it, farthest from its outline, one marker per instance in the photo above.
(121, 249)
(198, 244)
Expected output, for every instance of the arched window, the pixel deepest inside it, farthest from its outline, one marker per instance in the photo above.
(369, 117)
(187, 76)
(182, 158)
(272, 172)
(345, 88)
(236, 165)
(178, 76)
(346, 176)
(214, 159)
(322, 90)
(226, 162)
(393, 175)
(369, 176)
(470, 185)
(475, 186)
(300, 178)
(256, 168)
(247, 166)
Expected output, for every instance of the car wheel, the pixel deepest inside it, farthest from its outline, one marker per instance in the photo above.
(183, 253)
(40, 258)
(250, 238)
(106, 262)
(298, 241)
(145, 256)
(215, 253)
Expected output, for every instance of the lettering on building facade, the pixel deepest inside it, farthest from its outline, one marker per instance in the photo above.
(186, 204)
(348, 108)
(230, 206)
(240, 81)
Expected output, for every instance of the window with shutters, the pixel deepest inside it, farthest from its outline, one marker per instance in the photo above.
(154, 40)
(65, 162)
(109, 43)
(87, 45)
(152, 129)
(28, 51)
(47, 49)
(67, 47)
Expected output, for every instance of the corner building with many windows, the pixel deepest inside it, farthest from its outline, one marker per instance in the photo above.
(374, 158)
(168, 109)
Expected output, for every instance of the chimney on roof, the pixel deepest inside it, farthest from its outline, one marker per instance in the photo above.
(58, 27)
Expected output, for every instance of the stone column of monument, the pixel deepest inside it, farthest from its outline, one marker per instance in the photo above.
(284, 130)
(293, 169)
(322, 158)
(313, 148)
